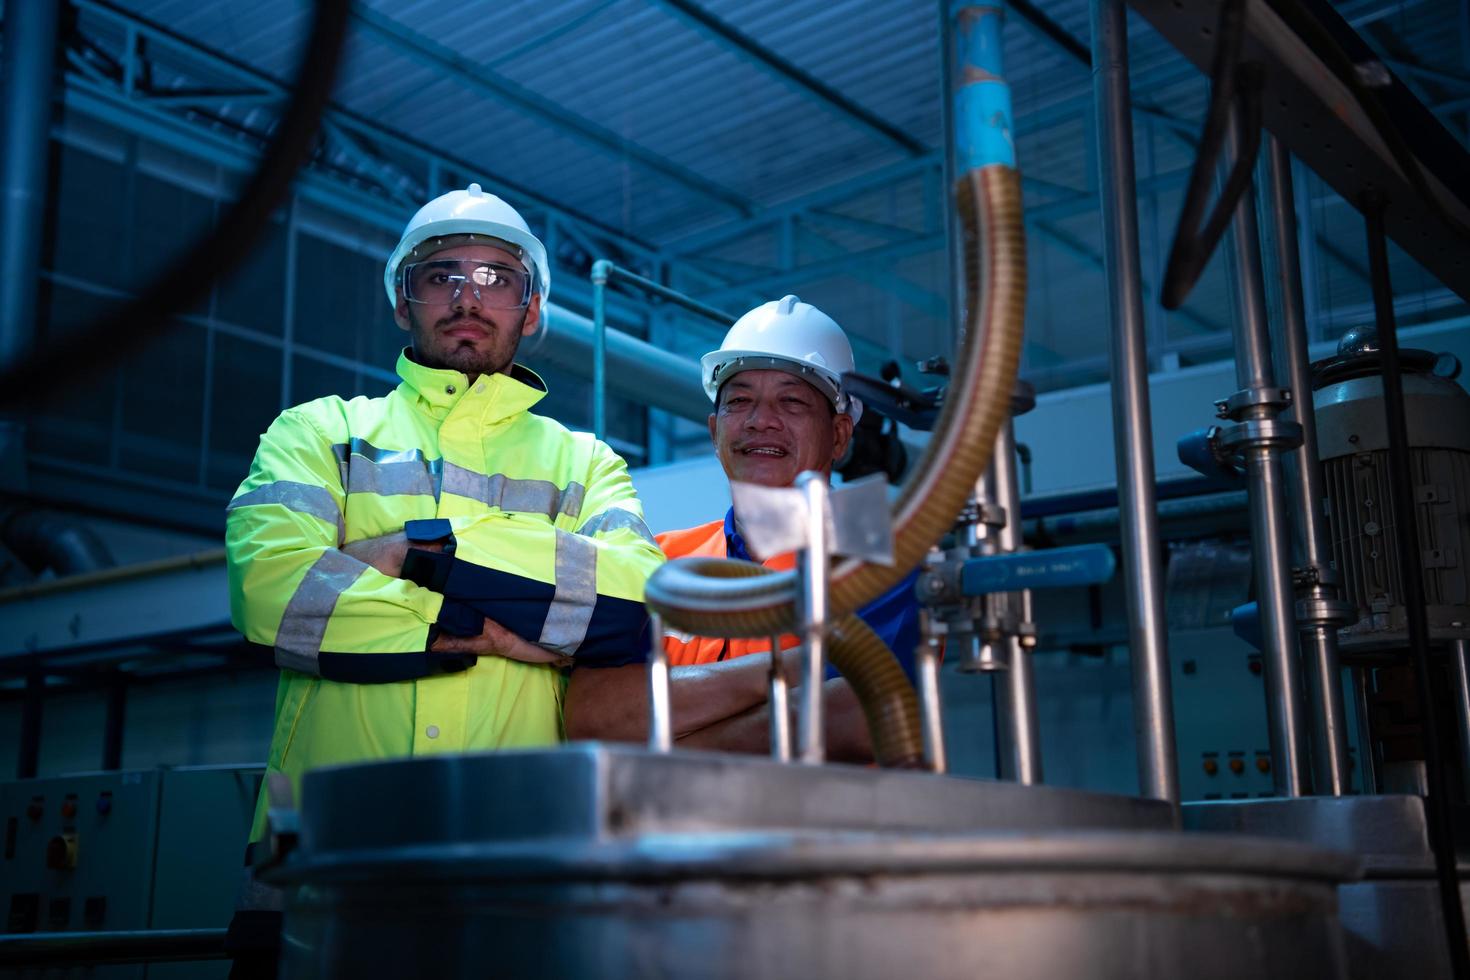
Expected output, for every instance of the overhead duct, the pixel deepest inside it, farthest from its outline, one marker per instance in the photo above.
(636, 369)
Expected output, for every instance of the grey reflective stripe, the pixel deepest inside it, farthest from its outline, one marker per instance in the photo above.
(615, 518)
(301, 498)
(525, 496)
(576, 594)
(387, 472)
(299, 639)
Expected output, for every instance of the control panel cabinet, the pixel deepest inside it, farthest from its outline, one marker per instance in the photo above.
(121, 851)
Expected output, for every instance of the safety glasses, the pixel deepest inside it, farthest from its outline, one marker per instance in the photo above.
(443, 281)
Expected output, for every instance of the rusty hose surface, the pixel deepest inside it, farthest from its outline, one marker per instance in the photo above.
(717, 597)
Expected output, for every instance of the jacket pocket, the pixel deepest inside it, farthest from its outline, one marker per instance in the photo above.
(292, 711)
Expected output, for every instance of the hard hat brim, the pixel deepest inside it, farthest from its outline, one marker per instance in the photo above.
(720, 366)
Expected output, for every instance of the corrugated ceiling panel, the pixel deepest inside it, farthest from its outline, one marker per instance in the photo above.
(662, 87)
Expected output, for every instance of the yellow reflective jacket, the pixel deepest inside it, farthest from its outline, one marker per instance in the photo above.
(548, 538)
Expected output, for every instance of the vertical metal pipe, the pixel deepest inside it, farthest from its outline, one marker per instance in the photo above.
(1020, 681)
(1437, 805)
(1153, 705)
(600, 271)
(926, 659)
(1323, 669)
(1362, 680)
(1320, 610)
(1460, 666)
(814, 573)
(27, 79)
(660, 721)
(1266, 483)
(778, 705)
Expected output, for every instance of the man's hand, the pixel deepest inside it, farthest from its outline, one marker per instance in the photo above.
(497, 641)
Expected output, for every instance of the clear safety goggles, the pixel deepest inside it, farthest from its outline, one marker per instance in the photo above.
(443, 281)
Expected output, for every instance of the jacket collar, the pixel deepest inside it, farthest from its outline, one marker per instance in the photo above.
(440, 390)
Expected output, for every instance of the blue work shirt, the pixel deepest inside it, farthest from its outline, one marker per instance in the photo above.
(894, 615)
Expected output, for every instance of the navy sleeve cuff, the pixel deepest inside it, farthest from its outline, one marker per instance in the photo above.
(429, 569)
(458, 619)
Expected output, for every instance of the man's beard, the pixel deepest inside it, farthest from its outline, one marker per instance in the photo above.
(463, 356)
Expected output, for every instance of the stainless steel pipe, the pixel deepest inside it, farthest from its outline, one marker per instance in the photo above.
(778, 706)
(1022, 759)
(1153, 707)
(1320, 609)
(660, 709)
(931, 707)
(1254, 408)
(814, 615)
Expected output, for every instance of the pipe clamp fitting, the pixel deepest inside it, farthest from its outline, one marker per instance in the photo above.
(1325, 611)
(1246, 399)
(1274, 434)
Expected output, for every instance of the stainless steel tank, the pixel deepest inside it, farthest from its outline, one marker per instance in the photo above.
(617, 863)
(1352, 435)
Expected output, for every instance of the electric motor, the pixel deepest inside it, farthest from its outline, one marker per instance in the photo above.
(1352, 433)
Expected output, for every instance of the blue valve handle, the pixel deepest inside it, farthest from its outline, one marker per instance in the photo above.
(1051, 568)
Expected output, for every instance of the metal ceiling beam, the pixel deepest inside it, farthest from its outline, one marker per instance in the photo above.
(747, 48)
(832, 194)
(879, 272)
(432, 53)
(1080, 250)
(157, 36)
(894, 173)
(1051, 31)
(840, 265)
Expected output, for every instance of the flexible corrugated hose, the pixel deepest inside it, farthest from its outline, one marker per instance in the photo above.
(883, 690)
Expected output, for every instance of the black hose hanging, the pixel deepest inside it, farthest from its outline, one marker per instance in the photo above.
(105, 342)
(1229, 80)
(1437, 805)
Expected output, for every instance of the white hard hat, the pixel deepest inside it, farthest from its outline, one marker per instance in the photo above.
(786, 335)
(469, 212)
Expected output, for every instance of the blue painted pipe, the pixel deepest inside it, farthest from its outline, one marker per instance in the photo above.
(1083, 564)
(984, 134)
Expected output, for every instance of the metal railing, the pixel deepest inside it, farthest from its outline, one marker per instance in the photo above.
(604, 274)
(123, 946)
